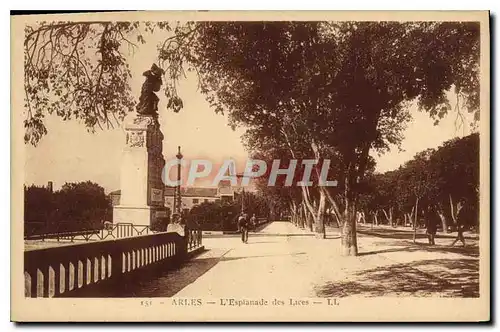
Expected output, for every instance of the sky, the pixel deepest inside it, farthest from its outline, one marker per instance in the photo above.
(69, 153)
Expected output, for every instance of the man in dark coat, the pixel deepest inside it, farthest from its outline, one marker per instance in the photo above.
(431, 226)
(243, 224)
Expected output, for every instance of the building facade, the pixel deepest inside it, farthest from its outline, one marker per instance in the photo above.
(191, 196)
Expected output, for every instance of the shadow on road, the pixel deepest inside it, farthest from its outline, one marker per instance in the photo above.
(225, 259)
(391, 234)
(408, 246)
(332, 237)
(250, 242)
(447, 277)
(402, 234)
(157, 283)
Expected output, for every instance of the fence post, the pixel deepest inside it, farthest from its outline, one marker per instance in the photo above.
(117, 263)
(183, 248)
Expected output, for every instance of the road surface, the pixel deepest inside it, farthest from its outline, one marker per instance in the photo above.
(283, 261)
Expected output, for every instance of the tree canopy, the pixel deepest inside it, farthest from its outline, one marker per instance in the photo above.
(82, 202)
(308, 90)
(441, 178)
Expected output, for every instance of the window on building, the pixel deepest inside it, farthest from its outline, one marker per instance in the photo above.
(206, 200)
(196, 200)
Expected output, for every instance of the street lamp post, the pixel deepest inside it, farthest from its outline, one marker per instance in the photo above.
(177, 193)
(241, 176)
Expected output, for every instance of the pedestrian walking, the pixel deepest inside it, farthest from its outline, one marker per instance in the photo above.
(431, 228)
(460, 227)
(460, 235)
(253, 222)
(243, 224)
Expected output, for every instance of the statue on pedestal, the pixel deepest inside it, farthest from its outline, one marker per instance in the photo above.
(142, 190)
(148, 101)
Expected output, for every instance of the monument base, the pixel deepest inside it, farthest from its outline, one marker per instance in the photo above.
(139, 215)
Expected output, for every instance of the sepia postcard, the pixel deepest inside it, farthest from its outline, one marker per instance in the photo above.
(251, 166)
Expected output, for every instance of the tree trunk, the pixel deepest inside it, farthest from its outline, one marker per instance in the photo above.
(303, 212)
(388, 216)
(444, 220)
(296, 213)
(309, 220)
(337, 221)
(415, 223)
(336, 210)
(301, 215)
(316, 211)
(454, 212)
(348, 235)
(319, 219)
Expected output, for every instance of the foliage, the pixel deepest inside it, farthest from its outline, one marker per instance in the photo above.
(38, 204)
(254, 203)
(83, 203)
(320, 90)
(329, 90)
(433, 176)
(215, 216)
(79, 70)
(161, 224)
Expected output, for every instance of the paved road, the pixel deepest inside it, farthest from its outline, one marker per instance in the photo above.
(282, 228)
(284, 261)
(268, 262)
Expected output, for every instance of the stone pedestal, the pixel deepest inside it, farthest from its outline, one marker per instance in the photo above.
(142, 190)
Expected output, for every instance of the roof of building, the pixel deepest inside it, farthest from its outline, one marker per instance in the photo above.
(226, 191)
(193, 191)
(186, 192)
(199, 192)
(224, 183)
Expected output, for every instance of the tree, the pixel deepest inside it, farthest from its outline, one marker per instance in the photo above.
(75, 206)
(82, 202)
(215, 216)
(444, 180)
(455, 166)
(38, 204)
(79, 70)
(326, 89)
(281, 78)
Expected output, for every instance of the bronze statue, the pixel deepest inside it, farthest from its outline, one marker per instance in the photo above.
(148, 101)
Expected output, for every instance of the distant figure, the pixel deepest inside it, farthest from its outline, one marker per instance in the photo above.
(460, 227)
(176, 225)
(253, 221)
(431, 228)
(243, 224)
